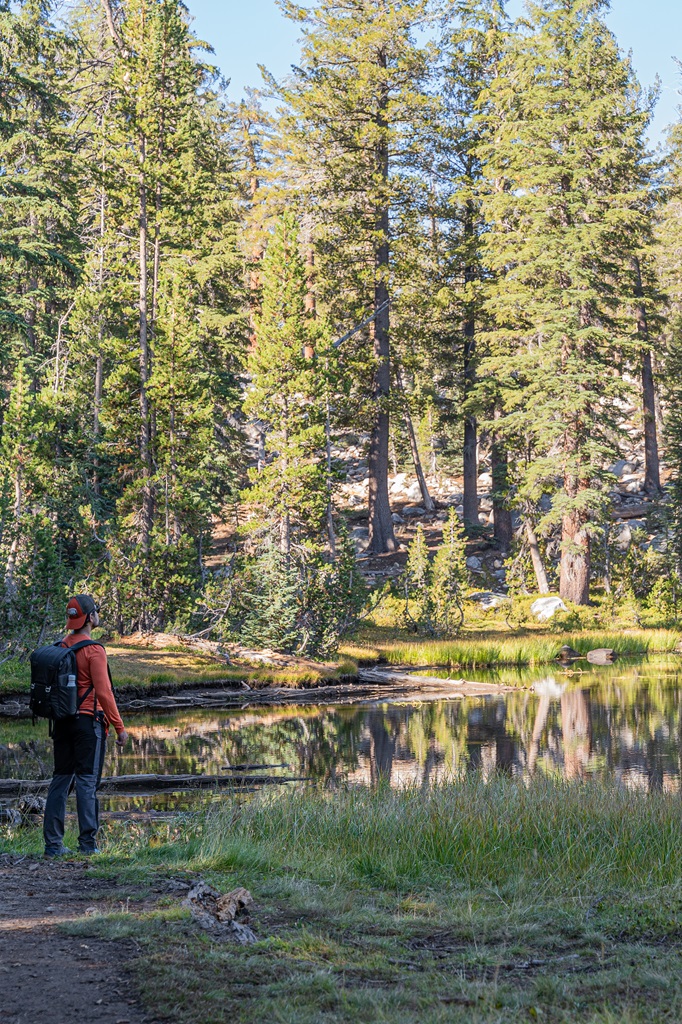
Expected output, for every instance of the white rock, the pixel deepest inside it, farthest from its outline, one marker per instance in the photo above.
(459, 510)
(485, 481)
(624, 538)
(413, 491)
(545, 607)
(473, 562)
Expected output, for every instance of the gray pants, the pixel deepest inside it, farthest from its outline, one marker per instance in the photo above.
(79, 748)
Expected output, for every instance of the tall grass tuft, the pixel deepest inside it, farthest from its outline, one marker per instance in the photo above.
(564, 835)
(528, 650)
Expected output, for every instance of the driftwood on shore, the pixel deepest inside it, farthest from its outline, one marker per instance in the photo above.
(154, 783)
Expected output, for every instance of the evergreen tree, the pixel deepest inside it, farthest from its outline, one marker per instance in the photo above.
(473, 46)
(449, 578)
(669, 268)
(417, 583)
(40, 261)
(286, 394)
(168, 275)
(562, 142)
(357, 102)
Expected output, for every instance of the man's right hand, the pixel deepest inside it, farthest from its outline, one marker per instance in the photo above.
(122, 739)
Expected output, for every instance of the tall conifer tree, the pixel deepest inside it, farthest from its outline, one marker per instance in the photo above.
(356, 103)
(563, 139)
(287, 395)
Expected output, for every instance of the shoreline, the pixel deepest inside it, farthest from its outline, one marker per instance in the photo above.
(369, 686)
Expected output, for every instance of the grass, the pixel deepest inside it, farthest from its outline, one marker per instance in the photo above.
(472, 902)
(144, 668)
(531, 649)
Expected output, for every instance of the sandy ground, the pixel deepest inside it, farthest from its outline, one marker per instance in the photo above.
(46, 975)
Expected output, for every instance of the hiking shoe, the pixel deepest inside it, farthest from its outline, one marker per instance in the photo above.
(88, 853)
(64, 851)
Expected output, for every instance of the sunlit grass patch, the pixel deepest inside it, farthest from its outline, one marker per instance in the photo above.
(523, 650)
(135, 668)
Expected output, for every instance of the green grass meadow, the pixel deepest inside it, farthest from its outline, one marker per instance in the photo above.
(471, 902)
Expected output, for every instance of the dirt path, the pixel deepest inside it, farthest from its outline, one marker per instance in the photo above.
(51, 977)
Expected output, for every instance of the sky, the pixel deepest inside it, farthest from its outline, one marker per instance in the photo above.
(246, 33)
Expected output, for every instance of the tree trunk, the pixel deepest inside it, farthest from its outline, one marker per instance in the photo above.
(502, 522)
(10, 586)
(285, 521)
(652, 474)
(427, 500)
(574, 583)
(255, 258)
(310, 304)
(536, 559)
(145, 420)
(113, 30)
(381, 535)
(330, 478)
(469, 450)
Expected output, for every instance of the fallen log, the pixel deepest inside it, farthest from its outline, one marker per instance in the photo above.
(134, 783)
(376, 683)
(399, 685)
(633, 511)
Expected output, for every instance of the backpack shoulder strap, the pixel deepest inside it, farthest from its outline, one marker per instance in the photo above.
(85, 643)
(78, 647)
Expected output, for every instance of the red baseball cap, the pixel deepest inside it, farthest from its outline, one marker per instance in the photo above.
(78, 609)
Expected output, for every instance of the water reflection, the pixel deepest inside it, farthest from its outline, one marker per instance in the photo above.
(622, 721)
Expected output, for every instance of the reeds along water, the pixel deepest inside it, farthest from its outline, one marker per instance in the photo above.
(497, 833)
(526, 650)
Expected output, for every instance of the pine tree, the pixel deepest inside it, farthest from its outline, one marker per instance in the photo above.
(286, 394)
(563, 139)
(669, 269)
(40, 262)
(417, 583)
(356, 104)
(474, 42)
(160, 312)
(449, 578)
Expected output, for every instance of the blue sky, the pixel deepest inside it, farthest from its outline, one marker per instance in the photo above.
(247, 33)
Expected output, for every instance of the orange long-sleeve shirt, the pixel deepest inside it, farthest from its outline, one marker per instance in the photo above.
(92, 669)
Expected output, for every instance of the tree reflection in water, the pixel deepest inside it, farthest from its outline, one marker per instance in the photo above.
(624, 721)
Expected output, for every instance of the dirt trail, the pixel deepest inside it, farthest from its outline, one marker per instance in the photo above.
(51, 977)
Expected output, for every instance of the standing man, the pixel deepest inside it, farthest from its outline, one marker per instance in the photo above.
(80, 741)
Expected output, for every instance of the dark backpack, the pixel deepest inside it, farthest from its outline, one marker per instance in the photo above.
(54, 681)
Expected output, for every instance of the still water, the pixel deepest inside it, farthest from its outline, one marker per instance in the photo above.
(622, 721)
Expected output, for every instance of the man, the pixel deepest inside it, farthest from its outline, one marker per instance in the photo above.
(80, 742)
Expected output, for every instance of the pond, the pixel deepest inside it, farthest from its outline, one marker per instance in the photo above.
(622, 721)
